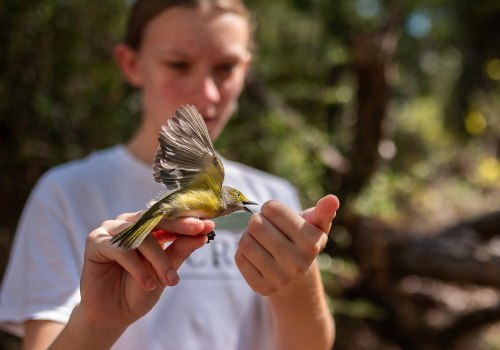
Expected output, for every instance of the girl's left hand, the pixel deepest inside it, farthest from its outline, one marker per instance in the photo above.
(280, 245)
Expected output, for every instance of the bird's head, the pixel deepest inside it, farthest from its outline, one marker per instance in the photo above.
(234, 200)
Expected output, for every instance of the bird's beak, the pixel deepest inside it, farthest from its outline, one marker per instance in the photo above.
(249, 203)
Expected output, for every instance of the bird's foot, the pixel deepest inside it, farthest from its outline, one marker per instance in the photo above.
(210, 236)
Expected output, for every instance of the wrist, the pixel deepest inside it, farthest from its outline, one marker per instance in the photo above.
(116, 326)
(301, 309)
(303, 284)
(82, 333)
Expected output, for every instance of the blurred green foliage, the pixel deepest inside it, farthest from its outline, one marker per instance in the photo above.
(60, 89)
(443, 118)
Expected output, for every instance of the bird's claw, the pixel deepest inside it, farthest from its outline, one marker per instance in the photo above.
(210, 236)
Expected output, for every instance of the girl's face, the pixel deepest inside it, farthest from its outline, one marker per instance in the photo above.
(190, 56)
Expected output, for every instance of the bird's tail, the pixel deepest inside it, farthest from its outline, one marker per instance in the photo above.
(132, 237)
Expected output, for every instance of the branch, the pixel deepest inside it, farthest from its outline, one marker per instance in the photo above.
(432, 258)
(486, 226)
(472, 321)
(456, 254)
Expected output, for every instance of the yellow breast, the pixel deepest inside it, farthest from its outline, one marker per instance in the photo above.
(203, 204)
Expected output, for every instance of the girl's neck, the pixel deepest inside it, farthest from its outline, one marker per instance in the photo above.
(143, 144)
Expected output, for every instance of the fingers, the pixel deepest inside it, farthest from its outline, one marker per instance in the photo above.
(268, 259)
(182, 248)
(263, 273)
(113, 227)
(281, 245)
(163, 237)
(166, 262)
(187, 226)
(160, 261)
(130, 217)
(99, 250)
(272, 240)
(252, 275)
(323, 213)
(308, 238)
(149, 264)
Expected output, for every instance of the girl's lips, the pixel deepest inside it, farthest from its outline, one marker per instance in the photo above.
(210, 120)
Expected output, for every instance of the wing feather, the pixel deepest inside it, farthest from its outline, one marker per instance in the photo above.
(185, 155)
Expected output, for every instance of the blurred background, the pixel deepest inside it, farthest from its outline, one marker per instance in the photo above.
(392, 105)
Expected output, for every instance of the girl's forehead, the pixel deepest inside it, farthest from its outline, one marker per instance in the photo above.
(193, 29)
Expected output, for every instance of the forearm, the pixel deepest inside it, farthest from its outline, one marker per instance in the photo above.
(301, 315)
(79, 333)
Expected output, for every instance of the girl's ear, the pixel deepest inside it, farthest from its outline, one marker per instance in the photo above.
(248, 62)
(127, 61)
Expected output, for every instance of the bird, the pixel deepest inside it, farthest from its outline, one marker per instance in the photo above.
(188, 166)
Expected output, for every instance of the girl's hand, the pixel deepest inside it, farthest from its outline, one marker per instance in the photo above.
(119, 286)
(281, 245)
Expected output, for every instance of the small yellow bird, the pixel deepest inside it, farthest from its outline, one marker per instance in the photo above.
(187, 165)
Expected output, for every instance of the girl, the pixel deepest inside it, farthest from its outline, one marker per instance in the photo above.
(254, 287)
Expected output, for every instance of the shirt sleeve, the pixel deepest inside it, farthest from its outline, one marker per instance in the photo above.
(42, 276)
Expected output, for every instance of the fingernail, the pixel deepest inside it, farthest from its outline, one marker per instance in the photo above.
(172, 277)
(150, 284)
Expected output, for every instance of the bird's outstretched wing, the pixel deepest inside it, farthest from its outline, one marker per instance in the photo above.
(185, 156)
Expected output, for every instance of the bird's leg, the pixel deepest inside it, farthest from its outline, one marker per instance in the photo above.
(210, 236)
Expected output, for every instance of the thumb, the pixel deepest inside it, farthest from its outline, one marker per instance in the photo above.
(323, 213)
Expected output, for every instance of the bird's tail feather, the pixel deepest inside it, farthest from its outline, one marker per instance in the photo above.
(132, 237)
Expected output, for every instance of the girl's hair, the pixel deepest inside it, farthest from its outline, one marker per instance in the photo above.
(143, 11)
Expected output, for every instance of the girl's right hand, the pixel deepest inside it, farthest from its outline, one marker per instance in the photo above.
(119, 286)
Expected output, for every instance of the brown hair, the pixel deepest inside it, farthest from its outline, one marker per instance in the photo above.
(143, 11)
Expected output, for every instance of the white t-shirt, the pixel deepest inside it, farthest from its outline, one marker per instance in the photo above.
(211, 308)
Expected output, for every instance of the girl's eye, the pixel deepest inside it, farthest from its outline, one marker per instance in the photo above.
(177, 65)
(225, 68)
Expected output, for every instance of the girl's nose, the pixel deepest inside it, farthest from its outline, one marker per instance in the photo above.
(209, 91)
